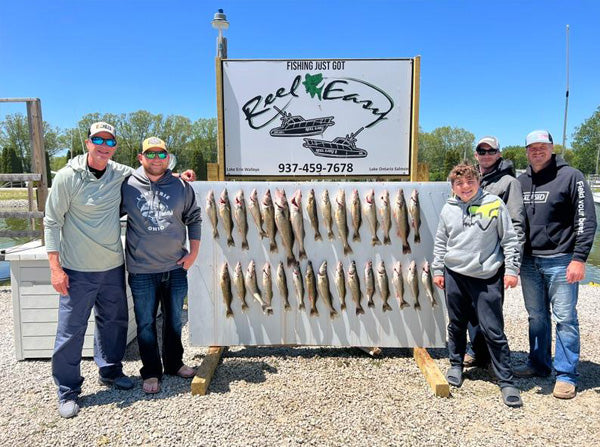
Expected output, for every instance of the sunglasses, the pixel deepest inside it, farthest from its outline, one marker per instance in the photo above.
(152, 155)
(110, 142)
(486, 152)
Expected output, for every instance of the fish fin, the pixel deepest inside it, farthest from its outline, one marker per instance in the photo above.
(273, 247)
(230, 242)
(318, 236)
(229, 313)
(375, 241)
(386, 240)
(302, 254)
(347, 249)
(386, 307)
(314, 313)
(360, 310)
(332, 314)
(406, 249)
(245, 245)
(417, 238)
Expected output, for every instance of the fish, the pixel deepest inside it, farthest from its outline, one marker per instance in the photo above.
(311, 288)
(211, 212)
(252, 285)
(238, 280)
(225, 213)
(414, 210)
(401, 217)
(323, 285)
(239, 212)
(267, 283)
(254, 208)
(399, 285)
(226, 290)
(282, 221)
(355, 211)
(311, 209)
(427, 281)
(386, 217)
(354, 286)
(326, 211)
(383, 286)
(282, 286)
(268, 215)
(298, 285)
(369, 283)
(340, 220)
(413, 283)
(340, 284)
(298, 222)
(370, 210)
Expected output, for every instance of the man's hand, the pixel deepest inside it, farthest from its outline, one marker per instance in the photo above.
(510, 281)
(60, 281)
(439, 281)
(188, 175)
(575, 271)
(187, 261)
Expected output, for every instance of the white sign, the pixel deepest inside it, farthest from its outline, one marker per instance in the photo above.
(317, 117)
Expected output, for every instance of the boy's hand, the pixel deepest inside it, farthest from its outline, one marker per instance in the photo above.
(510, 281)
(439, 281)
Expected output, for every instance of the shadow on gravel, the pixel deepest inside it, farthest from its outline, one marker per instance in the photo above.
(237, 371)
(312, 352)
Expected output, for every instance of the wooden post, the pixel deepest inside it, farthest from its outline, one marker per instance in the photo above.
(415, 119)
(205, 371)
(220, 121)
(432, 373)
(36, 134)
(212, 172)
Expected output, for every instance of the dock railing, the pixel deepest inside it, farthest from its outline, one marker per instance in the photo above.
(31, 214)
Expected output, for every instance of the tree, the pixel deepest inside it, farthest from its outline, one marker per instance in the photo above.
(434, 146)
(10, 163)
(517, 154)
(586, 144)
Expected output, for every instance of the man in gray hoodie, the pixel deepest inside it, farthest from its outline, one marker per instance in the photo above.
(159, 208)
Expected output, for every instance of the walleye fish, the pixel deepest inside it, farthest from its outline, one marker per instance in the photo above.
(282, 221)
(386, 217)
(299, 286)
(323, 285)
(226, 290)
(225, 212)
(311, 288)
(298, 222)
(399, 285)
(211, 212)
(311, 209)
(415, 212)
(267, 283)
(340, 284)
(383, 286)
(354, 285)
(356, 215)
(369, 283)
(254, 208)
(370, 209)
(340, 219)
(401, 217)
(427, 281)
(252, 285)
(268, 215)
(413, 283)
(326, 211)
(238, 280)
(239, 212)
(282, 286)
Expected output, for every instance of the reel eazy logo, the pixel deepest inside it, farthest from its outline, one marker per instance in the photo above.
(154, 210)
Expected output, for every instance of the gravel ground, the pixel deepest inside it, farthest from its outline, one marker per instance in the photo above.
(16, 203)
(306, 396)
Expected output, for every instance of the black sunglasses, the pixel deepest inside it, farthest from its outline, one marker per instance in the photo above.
(152, 155)
(486, 152)
(110, 142)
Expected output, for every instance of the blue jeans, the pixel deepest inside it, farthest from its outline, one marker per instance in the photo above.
(546, 291)
(148, 290)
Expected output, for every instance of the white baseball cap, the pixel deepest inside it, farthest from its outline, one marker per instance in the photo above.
(538, 136)
(101, 126)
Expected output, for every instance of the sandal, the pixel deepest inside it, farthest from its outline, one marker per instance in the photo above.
(511, 396)
(187, 372)
(151, 385)
(454, 376)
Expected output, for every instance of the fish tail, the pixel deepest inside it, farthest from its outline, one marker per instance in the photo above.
(330, 235)
(356, 237)
(343, 306)
(301, 306)
(404, 304)
(417, 306)
(375, 241)
(386, 307)
(347, 249)
(291, 260)
(433, 302)
(273, 247)
(318, 236)
(332, 314)
(302, 254)
(263, 234)
(405, 248)
(360, 310)
(417, 238)
(244, 245)
(230, 242)
(314, 313)
(244, 306)
(370, 302)
(215, 233)
(386, 240)
(229, 313)
(287, 306)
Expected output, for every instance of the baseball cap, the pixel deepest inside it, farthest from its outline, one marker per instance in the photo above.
(101, 126)
(492, 141)
(538, 136)
(153, 142)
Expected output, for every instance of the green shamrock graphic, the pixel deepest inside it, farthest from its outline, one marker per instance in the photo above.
(311, 83)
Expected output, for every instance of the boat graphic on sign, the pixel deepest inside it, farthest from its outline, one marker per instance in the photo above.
(296, 126)
(339, 147)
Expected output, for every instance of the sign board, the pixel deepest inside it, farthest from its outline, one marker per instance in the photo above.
(314, 118)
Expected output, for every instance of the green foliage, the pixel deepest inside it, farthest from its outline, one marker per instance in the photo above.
(442, 146)
(10, 163)
(586, 144)
(517, 154)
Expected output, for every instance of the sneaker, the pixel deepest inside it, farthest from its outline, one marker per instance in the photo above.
(121, 382)
(564, 390)
(68, 408)
(527, 371)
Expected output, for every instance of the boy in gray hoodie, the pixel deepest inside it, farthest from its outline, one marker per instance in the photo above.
(476, 255)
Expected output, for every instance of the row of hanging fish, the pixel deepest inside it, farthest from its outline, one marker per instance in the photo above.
(287, 218)
(317, 286)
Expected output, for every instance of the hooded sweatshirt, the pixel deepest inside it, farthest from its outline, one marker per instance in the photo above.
(560, 210)
(158, 214)
(475, 238)
(82, 216)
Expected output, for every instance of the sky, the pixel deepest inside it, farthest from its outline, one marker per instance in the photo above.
(490, 67)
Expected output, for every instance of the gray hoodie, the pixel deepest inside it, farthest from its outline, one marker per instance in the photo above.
(475, 238)
(158, 214)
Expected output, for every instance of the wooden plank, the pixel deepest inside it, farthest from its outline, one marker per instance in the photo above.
(20, 177)
(205, 371)
(432, 373)
(22, 214)
(416, 91)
